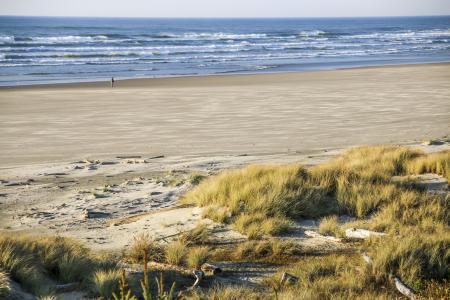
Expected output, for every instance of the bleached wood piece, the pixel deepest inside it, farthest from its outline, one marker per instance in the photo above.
(198, 278)
(402, 288)
(355, 233)
(314, 234)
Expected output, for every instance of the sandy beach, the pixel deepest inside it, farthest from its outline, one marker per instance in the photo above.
(129, 151)
(103, 165)
(235, 114)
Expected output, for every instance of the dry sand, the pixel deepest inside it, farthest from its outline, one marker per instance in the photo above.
(267, 113)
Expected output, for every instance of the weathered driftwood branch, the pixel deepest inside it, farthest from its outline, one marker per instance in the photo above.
(318, 235)
(288, 278)
(399, 285)
(198, 278)
(355, 233)
(211, 269)
(402, 288)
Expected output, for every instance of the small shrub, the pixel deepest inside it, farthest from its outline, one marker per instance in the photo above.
(106, 282)
(176, 252)
(197, 257)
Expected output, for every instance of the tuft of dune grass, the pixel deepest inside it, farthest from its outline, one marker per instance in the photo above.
(176, 252)
(35, 262)
(330, 226)
(144, 243)
(197, 256)
(414, 257)
(438, 163)
(5, 285)
(22, 266)
(106, 282)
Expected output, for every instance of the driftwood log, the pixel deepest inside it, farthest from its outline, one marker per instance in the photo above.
(287, 278)
(211, 269)
(402, 288)
(355, 233)
(314, 234)
(399, 285)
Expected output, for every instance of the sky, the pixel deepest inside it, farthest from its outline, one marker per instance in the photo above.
(224, 8)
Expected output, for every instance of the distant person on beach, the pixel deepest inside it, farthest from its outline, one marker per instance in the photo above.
(112, 82)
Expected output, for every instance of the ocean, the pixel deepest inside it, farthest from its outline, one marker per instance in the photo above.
(37, 50)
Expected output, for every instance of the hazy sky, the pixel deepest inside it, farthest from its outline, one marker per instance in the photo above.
(224, 8)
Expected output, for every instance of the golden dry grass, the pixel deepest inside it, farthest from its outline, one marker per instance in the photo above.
(332, 277)
(330, 226)
(357, 183)
(197, 256)
(144, 243)
(35, 262)
(176, 252)
(106, 282)
(5, 285)
(261, 200)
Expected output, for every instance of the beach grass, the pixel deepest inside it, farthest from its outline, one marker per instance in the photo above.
(36, 262)
(142, 244)
(264, 202)
(5, 285)
(197, 256)
(330, 226)
(176, 252)
(106, 282)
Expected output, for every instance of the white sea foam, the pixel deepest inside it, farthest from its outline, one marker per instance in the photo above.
(6, 39)
(311, 33)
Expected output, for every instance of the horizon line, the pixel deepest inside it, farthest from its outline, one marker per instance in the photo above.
(263, 17)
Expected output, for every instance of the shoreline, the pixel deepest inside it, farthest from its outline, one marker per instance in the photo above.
(128, 81)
